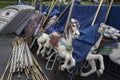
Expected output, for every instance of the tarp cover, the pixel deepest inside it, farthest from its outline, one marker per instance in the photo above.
(89, 35)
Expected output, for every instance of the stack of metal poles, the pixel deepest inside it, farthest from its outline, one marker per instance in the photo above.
(22, 60)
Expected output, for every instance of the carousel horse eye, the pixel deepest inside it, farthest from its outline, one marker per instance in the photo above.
(73, 25)
(119, 32)
(108, 27)
(75, 33)
(7, 13)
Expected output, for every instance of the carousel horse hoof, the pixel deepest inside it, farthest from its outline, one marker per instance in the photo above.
(46, 58)
(48, 54)
(83, 74)
(43, 55)
(99, 73)
(63, 67)
(70, 71)
(38, 53)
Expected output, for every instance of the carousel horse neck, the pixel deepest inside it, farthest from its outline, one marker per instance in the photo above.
(66, 42)
(68, 35)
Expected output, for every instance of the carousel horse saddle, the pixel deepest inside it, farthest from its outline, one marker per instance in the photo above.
(54, 39)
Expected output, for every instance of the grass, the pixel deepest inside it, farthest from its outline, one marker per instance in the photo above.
(7, 3)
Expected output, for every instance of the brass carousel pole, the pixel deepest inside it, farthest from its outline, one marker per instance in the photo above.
(97, 12)
(109, 8)
(50, 10)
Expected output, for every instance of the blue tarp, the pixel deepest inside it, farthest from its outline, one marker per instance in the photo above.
(114, 16)
(89, 35)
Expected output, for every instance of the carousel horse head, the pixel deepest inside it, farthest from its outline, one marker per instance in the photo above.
(108, 31)
(73, 28)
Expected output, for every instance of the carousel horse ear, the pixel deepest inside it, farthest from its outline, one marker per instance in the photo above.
(102, 24)
(72, 20)
(102, 27)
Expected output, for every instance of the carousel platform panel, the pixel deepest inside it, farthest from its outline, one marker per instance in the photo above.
(5, 51)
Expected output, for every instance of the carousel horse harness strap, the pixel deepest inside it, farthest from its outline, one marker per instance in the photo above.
(106, 31)
(68, 47)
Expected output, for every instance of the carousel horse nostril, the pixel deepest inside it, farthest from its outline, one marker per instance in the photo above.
(76, 34)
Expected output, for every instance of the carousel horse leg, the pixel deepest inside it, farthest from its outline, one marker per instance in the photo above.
(93, 68)
(46, 45)
(72, 62)
(97, 57)
(39, 47)
(43, 50)
(48, 53)
(65, 65)
(115, 55)
(117, 60)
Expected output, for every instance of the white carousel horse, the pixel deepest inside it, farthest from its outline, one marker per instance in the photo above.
(43, 37)
(114, 54)
(105, 31)
(65, 48)
(63, 45)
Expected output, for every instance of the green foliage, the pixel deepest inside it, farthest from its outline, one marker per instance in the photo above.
(10, 2)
